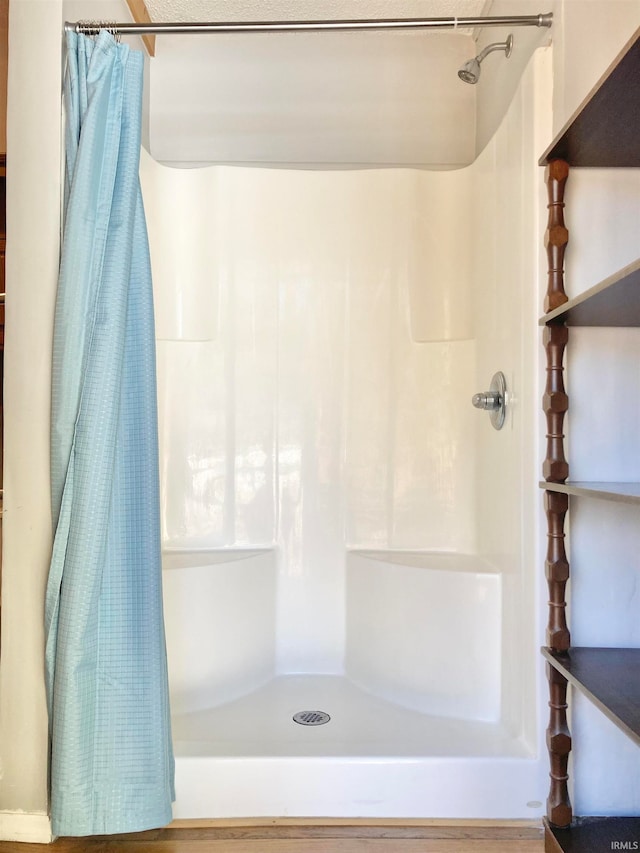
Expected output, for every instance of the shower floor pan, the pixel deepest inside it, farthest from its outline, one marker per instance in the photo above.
(248, 758)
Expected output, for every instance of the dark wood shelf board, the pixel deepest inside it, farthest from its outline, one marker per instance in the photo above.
(610, 678)
(628, 493)
(604, 129)
(592, 835)
(613, 302)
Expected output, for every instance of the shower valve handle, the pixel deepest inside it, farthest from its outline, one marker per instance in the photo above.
(494, 400)
(487, 400)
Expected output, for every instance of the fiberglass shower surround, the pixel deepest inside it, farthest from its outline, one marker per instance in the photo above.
(342, 530)
(318, 509)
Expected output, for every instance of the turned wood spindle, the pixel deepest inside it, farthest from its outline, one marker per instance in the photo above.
(555, 403)
(556, 235)
(557, 571)
(559, 746)
(555, 469)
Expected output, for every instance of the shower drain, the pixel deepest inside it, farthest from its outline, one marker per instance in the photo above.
(311, 718)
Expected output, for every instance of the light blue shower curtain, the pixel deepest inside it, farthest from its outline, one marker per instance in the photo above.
(112, 763)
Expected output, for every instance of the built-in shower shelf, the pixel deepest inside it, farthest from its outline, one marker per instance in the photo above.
(613, 302)
(621, 492)
(609, 677)
(593, 835)
(605, 128)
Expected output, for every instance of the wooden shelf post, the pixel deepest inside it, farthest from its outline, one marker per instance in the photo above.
(556, 236)
(559, 745)
(555, 403)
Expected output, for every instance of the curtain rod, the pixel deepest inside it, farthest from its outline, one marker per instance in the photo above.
(162, 28)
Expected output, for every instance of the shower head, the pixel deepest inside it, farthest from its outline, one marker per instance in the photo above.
(470, 71)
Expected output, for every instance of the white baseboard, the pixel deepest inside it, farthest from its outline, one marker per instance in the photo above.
(34, 827)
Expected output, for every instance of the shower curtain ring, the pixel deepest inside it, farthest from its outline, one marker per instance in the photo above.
(112, 28)
(91, 28)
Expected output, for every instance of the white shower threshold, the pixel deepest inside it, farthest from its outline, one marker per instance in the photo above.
(248, 758)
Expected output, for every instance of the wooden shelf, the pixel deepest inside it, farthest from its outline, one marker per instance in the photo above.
(610, 678)
(604, 129)
(592, 835)
(628, 493)
(613, 302)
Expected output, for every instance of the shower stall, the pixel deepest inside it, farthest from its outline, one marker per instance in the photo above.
(343, 533)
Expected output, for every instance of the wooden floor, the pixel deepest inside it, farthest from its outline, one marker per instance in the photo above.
(305, 837)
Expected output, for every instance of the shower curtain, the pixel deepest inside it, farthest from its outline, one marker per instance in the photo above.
(111, 756)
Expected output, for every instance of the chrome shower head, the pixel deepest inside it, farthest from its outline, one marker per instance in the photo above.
(470, 71)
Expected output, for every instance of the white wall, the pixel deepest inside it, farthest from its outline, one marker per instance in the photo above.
(587, 37)
(33, 204)
(372, 98)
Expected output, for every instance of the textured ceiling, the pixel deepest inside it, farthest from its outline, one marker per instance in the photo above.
(273, 10)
